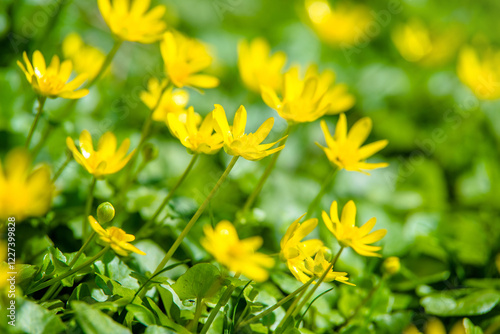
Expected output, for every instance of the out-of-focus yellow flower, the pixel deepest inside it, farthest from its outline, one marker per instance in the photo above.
(307, 99)
(86, 58)
(480, 72)
(416, 43)
(23, 193)
(237, 143)
(129, 21)
(348, 234)
(184, 57)
(336, 95)
(106, 160)
(345, 150)
(172, 101)
(196, 140)
(345, 25)
(435, 326)
(116, 238)
(238, 255)
(52, 81)
(258, 67)
(317, 266)
(391, 265)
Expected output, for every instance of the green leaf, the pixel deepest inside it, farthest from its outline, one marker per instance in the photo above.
(93, 321)
(154, 329)
(200, 281)
(34, 319)
(164, 320)
(475, 303)
(470, 328)
(142, 314)
(173, 311)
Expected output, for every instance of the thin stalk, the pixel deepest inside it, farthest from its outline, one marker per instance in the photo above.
(220, 303)
(70, 272)
(45, 135)
(69, 157)
(107, 61)
(278, 304)
(197, 314)
(324, 187)
(88, 206)
(253, 196)
(193, 220)
(291, 309)
(309, 306)
(144, 136)
(169, 196)
(41, 103)
(321, 279)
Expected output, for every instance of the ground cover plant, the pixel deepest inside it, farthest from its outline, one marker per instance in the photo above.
(249, 166)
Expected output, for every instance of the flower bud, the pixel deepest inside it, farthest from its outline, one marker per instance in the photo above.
(149, 152)
(105, 212)
(391, 265)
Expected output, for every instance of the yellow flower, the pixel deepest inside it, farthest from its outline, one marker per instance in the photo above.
(294, 251)
(106, 160)
(391, 265)
(129, 21)
(23, 192)
(416, 43)
(258, 67)
(238, 255)
(435, 326)
(52, 81)
(172, 101)
(348, 234)
(116, 238)
(196, 140)
(317, 266)
(85, 58)
(480, 74)
(345, 25)
(345, 150)
(184, 57)
(307, 99)
(337, 95)
(236, 142)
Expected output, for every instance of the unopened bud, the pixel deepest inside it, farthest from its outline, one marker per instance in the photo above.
(105, 212)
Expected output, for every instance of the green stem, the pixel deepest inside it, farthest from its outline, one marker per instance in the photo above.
(193, 220)
(291, 308)
(41, 103)
(69, 157)
(253, 196)
(321, 279)
(278, 304)
(75, 259)
(70, 272)
(107, 61)
(324, 187)
(197, 314)
(88, 207)
(152, 220)
(220, 303)
(45, 135)
(144, 136)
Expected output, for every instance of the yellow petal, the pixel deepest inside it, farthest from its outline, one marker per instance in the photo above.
(39, 63)
(360, 131)
(349, 214)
